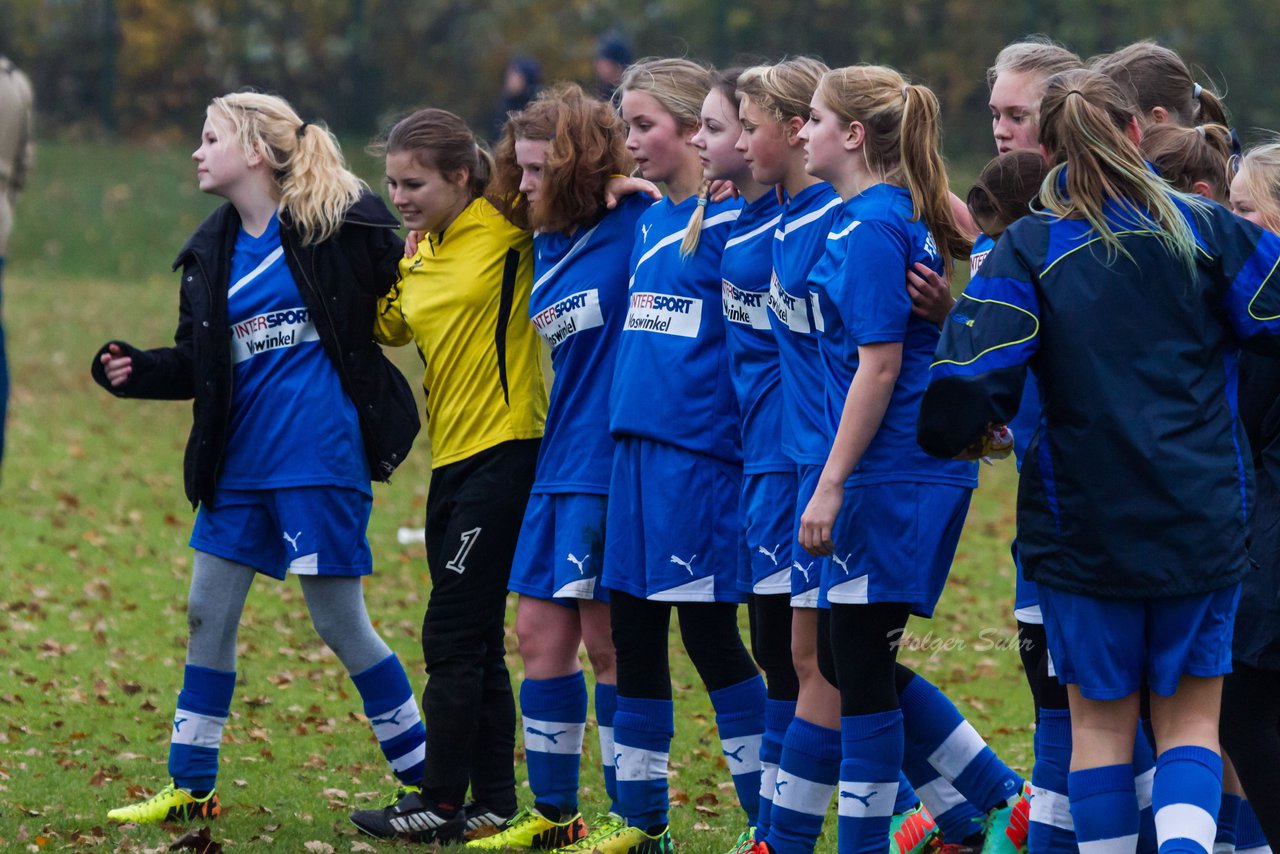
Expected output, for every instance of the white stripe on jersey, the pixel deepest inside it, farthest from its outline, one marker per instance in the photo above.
(1051, 808)
(392, 723)
(742, 753)
(867, 800)
(1186, 821)
(306, 564)
(257, 271)
(552, 736)
(676, 237)
(751, 235)
(573, 250)
(957, 751)
(800, 795)
(637, 765)
(196, 730)
(854, 592)
(699, 590)
(775, 584)
(844, 232)
(802, 221)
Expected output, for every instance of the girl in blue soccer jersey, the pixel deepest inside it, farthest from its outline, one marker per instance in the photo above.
(296, 410)
(1135, 495)
(876, 137)
(768, 479)
(552, 165)
(674, 415)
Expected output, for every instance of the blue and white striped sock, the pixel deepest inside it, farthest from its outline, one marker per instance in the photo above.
(554, 716)
(1144, 775)
(606, 707)
(642, 732)
(1052, 830)
(807, 775)
(954, 747)
(202, 712)
(907, 799)
(777, 717)
(872, 750)
(1105, 809)
(1186, 796)
(392, 710)
(1249, 836)
(956, 818)
(740, 720)
(1228, 818)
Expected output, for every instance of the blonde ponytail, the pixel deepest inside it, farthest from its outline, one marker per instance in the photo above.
(311, 179)
(693, 232)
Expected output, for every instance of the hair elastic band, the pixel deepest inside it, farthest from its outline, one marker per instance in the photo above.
(702, 201)
(904, 91)
(1196, 89)
(1200, 130)
(1075, 92)
(302, 129)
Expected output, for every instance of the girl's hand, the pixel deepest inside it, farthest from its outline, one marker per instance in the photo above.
(819, 518)
(722, 190)
(118, 366)
(930, 294)
(411, 241)
(621, 186)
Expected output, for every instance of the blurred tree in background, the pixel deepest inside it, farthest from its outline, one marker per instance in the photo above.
(142, 68)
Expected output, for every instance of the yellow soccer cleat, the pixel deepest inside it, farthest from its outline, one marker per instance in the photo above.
(530, 830)
(614, 836)
(169, 804)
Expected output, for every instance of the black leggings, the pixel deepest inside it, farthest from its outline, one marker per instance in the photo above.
(1250, 733)
(1046, 691)
(710, 634)
(771, 643)
(857, 653)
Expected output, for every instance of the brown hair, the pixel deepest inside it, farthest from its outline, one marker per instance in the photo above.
(587, 145)
(1084, 120)
(1037, 55)
(1005, 190)
(903, 143)
(310, 177)
(1187, 155)
(442, 141)
(1153, 76)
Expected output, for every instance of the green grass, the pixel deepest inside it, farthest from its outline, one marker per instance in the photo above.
(93, 529)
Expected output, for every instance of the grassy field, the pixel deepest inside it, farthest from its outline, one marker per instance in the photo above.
(93, 529)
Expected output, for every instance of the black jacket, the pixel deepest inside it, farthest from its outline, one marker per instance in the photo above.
(340, 281)
(1257, 636)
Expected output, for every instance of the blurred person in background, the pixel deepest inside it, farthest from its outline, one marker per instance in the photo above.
(17, 149)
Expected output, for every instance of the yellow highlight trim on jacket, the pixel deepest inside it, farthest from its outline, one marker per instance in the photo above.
(1033, 334)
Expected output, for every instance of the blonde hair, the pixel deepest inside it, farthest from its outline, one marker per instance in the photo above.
(1259, 169)
(1038, 55)
(1083, 124)
(782, 90)
(1153, 76)
(310, 177)
(679, 86)
(903, 143)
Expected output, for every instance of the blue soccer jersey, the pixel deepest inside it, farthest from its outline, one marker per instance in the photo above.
(291, 423)
(981, 249)
(746, 270)
(862, 296)
(799, 242)
(578, 304)
(671, 383)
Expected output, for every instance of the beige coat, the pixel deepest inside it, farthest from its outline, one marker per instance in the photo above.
(17, 142)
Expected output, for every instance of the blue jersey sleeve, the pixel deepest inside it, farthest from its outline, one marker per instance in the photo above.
(879, 306)
(980, 366)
